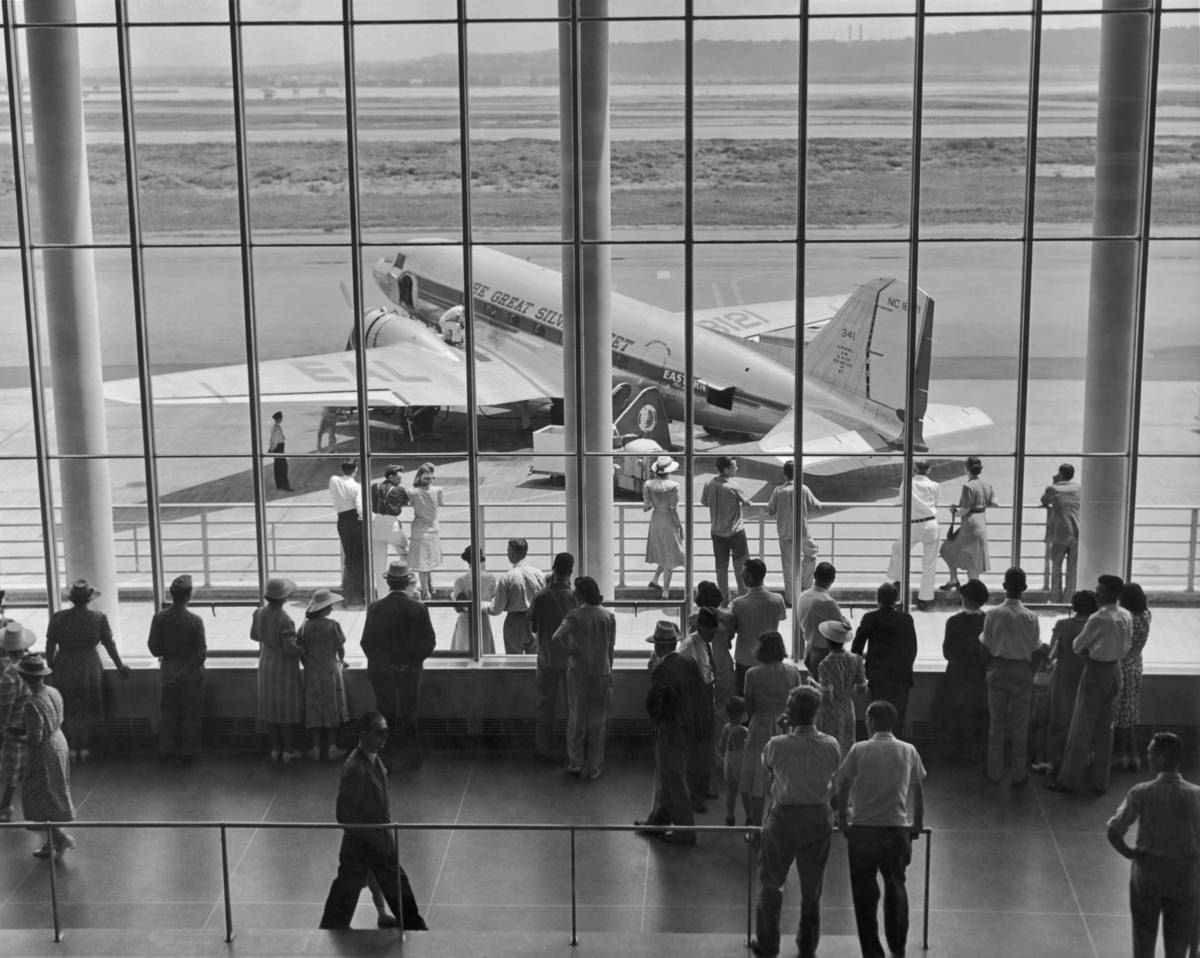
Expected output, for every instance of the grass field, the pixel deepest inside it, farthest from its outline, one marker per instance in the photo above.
(416, 186)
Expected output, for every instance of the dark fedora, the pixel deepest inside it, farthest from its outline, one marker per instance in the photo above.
(81, 591)
(34, 664)
(664, 631)
(397, 572)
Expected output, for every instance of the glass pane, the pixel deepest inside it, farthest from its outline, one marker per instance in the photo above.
(197, 346)
(717, 8)
(86, 11)
(84, 200)
(16, 399)
(862, 6)
(292, 10)
(296, 134)
(516, 164)
(745, 164)
(24, 544)
(405, 9)
(976, 289)
(1174, 203)
(973, 144)
(860, 159)
(83, 342)
(1164, 533)
(192, 11)
(1171, 350)
(410, 161)
(187, 164)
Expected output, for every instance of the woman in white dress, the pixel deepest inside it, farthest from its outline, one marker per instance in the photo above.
(461, 640)
(424, 546)
(664, 543)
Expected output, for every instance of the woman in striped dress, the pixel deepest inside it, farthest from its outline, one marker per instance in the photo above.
(842, 674)
(322, 653)
(1129, 698)
(280, 688)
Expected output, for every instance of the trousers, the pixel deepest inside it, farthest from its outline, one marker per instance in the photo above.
(672, 802)
(1091, 727)
(587, 718)
(350, 531)
(725, 548)
(799, 834)
(1010, 699)
(551, 685)
(1170, 889)
(883, 851)
(926, 535)
(1065, 554)
(398, 698)
(369, 853)
(181, 706)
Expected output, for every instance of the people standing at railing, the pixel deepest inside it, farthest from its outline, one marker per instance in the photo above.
(397, 638)
(46, 787)
(425, 544)
(460, 641)
(1105, 639)
(1068, 670)
(546, 613)
(14, 693)
(664, 540)
(923, 530)
(697, 646)
(323, 654)
(1061, 499)
(841, 674)
(964, 693)
(768, 685)
(589, 633)
(798, 767)
(782, 505)
(368, 852)
(515, 592)
(72, 637)
(346, 494)
(970, 548)
(276, 446)
(754, 612)
(177, 640)
(880, 804)
(1129, 699)
(725, 499)
(280, 687)
(388, 498)
(889, 638)
(1011, 636)
(815, 606)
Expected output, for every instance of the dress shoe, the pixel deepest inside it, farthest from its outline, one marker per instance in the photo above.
(62, 847)
(1056, 787)
(672, 837)
(923, 605)
(85, 755)
(700, 808)
(574, 770)
(387, 921)
(594, 774)
(44, 852)
(951, 586)
(654, 587)
(762, 950)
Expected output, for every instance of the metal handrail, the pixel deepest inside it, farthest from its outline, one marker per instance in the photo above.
(750, 832)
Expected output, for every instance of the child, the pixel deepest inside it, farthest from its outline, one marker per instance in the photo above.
(732, 745)
(1039, 720)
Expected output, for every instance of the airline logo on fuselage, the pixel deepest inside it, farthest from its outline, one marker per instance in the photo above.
(497, 304)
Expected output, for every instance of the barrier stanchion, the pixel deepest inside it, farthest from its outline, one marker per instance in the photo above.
(399, 884)
(574, 924)
(225, 885)
(928, 833)
(53, 883)
(749, 884)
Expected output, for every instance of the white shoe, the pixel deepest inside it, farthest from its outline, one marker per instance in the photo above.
(336, 753)
(291, 756)
(275, 756)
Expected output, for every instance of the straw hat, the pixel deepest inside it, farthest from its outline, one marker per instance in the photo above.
(17, 638)
(664, 631)
(279, 589)
(834, 631)
(33, 664)
(664, 464)
(322, 599)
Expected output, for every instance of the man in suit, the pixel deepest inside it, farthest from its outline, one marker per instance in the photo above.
(397, 639)
(368, 852)
(1061, 500)
(676, 707)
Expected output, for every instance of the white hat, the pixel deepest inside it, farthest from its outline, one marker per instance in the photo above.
(664, 464)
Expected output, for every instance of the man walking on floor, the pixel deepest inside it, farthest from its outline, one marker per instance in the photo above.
(881, 808)
(799, 769)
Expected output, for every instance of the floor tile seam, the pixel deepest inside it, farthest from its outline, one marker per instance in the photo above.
(1067, 875)
(219, 900)
(462, 800)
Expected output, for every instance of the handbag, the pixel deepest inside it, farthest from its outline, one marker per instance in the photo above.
(947, 550)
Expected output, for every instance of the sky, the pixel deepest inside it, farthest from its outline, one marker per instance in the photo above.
(265, 45)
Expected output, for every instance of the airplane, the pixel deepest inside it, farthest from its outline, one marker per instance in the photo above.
(742, 371)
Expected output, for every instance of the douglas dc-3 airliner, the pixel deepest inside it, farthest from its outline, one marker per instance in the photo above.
(742, 374)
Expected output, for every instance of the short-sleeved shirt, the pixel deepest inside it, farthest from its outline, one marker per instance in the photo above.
(517, 588)
(1167, 811)
(882, 770)
(1010, 631)
(813, 607)
(546, 613)
(1107, 635)
(724, 499)
(802, 765)
(754, 613)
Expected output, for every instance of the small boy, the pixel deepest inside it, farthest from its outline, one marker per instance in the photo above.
(732, 746)
(1039, 721)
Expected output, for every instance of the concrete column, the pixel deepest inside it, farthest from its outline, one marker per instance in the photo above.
(71, 314)
(1112, 308)
(592, 499)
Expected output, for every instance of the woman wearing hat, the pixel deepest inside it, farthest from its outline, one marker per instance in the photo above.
(322, 653)
(46, 788)
(664, 542)
(14, 693)
(461, 640)
(424, 543)
(72, 636)
(280, 692)
(841, 674)
(768, 685)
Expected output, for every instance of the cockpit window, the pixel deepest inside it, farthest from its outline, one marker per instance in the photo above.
(399, 264)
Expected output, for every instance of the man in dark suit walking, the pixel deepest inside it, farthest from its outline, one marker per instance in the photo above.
(368, 852)
(397, 639)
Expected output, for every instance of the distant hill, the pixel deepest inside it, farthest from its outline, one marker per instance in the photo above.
(974, 53)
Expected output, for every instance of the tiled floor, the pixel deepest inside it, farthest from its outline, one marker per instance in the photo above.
(1014, 872)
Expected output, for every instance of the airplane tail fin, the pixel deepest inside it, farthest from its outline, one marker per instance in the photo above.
(641, 416)
(861, 354)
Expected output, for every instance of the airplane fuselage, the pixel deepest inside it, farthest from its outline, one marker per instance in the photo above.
(513, 298)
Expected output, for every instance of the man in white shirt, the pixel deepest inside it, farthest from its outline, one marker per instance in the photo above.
(1061, 499)
(515, 591)
(1105, 639)
(276, 445)
(782, 505)
(346, 495)
(881, 809)
(923, 530)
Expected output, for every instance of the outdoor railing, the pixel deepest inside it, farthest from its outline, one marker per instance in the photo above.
(749, 832)
(216, 542)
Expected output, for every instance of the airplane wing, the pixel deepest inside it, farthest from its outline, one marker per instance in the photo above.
(774, 321)
(419, 370)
